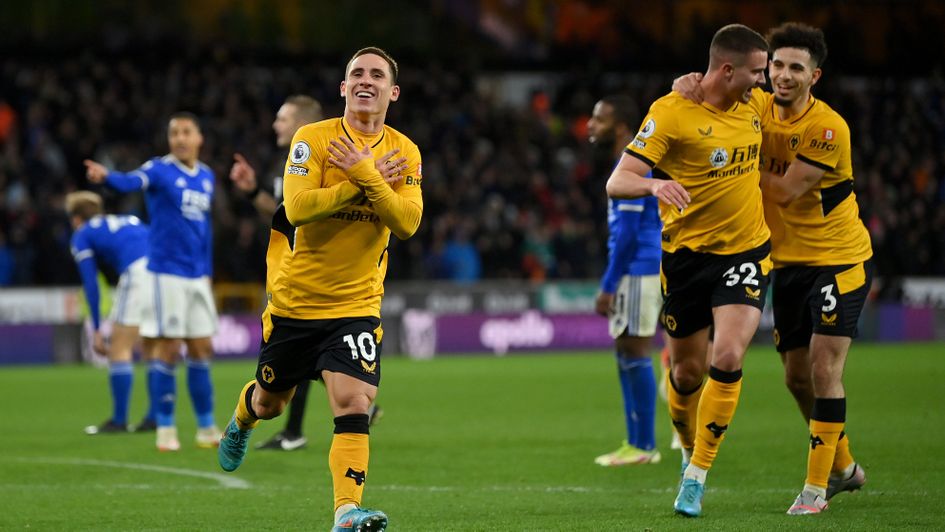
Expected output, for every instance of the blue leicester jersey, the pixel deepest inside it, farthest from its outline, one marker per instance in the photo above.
(633, 244)
(179, 200)
(113, 240)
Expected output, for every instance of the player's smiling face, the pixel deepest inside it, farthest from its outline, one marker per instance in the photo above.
(184, 140)
(793, 72)
(368, 86)
(749, 75)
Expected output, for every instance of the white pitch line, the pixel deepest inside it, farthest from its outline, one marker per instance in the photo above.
(236, 483)
(613, 490)
(227, 481)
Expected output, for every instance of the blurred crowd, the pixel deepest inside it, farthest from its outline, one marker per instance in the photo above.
(512, 189)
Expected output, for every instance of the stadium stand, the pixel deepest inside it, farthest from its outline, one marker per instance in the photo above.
(508, 179)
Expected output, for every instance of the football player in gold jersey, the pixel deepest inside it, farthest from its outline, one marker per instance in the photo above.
(821, 256)
(820, 248)
(297, 111)
(326, 265)
(716, 254)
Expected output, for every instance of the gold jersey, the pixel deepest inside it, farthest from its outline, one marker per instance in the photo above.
(327, 254)
(822, 226)
(714, 155)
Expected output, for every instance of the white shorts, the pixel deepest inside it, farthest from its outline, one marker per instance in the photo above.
(637, 304)
(131, 295)
(180, 307)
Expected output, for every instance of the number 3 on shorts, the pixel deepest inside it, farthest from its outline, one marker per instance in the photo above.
(365, 344)
(830, 302)
(746, 275)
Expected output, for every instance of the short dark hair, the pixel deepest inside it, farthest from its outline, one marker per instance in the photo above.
(736, 39)
(185, 115)
(799, 35)
(307, 108)
(376, 51)
(624, 108)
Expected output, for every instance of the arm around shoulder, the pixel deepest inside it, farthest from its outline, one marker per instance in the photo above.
(798, 179)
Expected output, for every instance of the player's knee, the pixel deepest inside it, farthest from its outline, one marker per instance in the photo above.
(687, 375)
(799, 384)
(727, 357)
(200, 348)
(825, 373)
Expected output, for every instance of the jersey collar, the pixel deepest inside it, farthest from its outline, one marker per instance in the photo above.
(192, 172)
(361, 139)
(776, 114)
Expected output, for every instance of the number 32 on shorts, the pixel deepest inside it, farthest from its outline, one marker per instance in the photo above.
(746, 274)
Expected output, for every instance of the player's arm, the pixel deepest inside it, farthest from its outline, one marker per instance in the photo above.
(243, 176)
(305, 203)
(627, 182)
(305, 199)
(689, 86)
(88, 272)
(798, 179)
(264, 202)
(400, 210)
(822, 144)
(121, 181)
(628, 223)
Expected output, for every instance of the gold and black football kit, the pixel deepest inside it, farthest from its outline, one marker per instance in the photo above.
(327, 255)
(820, 247)
(715, 251)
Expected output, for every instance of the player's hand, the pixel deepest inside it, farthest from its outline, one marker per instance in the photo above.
(688, 86)
(344, 154)
(95, 172)
(670, 192)
(98, 343)
(391, 169)
(242, 174)
(604, 304)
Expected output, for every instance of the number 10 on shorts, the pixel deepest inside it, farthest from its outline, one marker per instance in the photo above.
(364, 345)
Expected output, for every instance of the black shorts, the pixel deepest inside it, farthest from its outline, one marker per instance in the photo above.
(298, 350)
(818, 299)
(694, 283)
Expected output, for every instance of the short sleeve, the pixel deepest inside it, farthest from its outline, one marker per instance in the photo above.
(656, 134)
(824, 141)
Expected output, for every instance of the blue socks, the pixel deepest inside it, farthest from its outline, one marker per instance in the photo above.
(119, 378)
(162, 388)
(638, 384)
(626, 387)
(165, 390)
(201, 391)
(644, 399)
(152, 390)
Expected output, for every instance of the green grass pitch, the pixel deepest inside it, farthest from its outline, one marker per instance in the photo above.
(479, 444)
